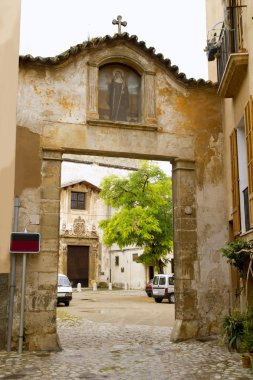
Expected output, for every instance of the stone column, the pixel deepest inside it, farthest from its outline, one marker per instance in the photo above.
(43, 268)
(185, 249)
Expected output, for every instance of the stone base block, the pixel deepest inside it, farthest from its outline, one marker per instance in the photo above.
(184, 330)
(43, 342)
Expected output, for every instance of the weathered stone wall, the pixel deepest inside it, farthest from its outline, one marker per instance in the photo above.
(181, 123)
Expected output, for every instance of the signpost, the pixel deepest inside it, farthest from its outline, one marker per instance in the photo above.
(23, 242)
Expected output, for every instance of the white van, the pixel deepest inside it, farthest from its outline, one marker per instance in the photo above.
(163, 288)
(64, 290)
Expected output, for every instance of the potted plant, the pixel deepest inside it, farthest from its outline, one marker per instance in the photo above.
(212, 47)
(247, 339)
(233, 330)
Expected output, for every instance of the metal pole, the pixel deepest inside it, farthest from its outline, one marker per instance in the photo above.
(12, 275)
(22, 306)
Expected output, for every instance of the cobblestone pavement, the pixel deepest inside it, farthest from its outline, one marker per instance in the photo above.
(99, 351)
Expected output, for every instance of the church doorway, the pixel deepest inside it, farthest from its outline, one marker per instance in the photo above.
(78, 265)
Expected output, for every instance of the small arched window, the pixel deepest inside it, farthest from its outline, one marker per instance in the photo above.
(119, 94)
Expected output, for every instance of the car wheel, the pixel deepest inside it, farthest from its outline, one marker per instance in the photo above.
(149, 294)
(66, 303)
(172, 298)
(158, 300)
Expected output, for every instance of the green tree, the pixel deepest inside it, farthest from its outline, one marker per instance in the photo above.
(143, 217)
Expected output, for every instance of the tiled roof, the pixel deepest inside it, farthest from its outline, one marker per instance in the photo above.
(96, 42)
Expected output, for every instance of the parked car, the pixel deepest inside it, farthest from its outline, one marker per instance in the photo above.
(64, 290)
(163, 288)
(148, 288)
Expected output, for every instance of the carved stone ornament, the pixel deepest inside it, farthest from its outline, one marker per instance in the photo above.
(188, 210)
(80, 229)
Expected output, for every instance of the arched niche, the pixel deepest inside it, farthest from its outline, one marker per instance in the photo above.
(119, 93)
(139, 80)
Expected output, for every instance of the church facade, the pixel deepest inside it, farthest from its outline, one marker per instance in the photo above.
(83, 256)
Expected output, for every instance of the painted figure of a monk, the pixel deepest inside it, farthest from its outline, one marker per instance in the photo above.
(118, 97)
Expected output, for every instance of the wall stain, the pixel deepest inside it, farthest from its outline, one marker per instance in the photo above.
(28, 163)
(67, 104)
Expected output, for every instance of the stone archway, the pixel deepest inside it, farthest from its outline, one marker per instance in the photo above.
(180, 123)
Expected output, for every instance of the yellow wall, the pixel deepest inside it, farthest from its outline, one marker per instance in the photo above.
(214, 14)
(9, 53)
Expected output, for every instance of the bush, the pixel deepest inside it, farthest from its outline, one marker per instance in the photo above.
(247, 339)
(237, 253)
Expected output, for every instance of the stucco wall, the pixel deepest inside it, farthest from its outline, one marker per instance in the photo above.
(9, 48)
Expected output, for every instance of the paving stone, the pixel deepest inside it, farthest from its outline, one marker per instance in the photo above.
(100, 351)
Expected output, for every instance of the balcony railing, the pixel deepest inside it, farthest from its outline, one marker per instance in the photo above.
(231, 38)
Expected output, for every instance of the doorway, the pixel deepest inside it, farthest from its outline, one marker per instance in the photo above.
(78, 265)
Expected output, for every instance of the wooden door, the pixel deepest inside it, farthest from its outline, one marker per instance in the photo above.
(78, 264)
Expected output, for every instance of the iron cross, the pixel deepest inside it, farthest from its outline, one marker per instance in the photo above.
(119, 23)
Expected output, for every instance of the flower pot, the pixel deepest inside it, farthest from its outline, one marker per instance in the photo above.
(245, 361)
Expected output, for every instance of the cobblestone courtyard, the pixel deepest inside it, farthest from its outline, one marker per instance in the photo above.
(98, 350)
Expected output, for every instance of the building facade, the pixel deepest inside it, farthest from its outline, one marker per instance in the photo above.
(230, 37)
(9, 55)
(82, 255)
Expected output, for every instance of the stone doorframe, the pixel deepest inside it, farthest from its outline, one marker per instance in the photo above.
(185, 235)
(92, 242)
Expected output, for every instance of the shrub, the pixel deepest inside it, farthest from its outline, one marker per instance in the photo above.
(233, 329)
(237, 331)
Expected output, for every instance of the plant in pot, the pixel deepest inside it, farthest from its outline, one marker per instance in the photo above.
(232, 330)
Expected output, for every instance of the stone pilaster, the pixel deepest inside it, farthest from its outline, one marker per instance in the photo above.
(149, 98)
(185, 249)
(42, 268)
(92, 92)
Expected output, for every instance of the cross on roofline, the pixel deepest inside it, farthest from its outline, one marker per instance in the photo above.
(119, 23)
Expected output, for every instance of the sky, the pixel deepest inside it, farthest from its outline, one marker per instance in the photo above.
(175, 28)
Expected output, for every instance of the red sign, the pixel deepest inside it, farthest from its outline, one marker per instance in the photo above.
(25, 242)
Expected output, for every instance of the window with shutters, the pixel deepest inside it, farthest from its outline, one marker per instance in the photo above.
(235, 184)
(77, 200)
(248, 120)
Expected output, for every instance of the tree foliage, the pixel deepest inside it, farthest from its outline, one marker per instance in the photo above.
(238, 253)
(143, 217)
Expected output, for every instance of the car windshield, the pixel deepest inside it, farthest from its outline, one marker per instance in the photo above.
(63, 281)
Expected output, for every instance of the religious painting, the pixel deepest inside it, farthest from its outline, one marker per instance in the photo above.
(119, 95)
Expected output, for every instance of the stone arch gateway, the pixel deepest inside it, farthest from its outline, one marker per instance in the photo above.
(180, 122)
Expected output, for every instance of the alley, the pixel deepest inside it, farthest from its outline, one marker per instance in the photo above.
(100, 339)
